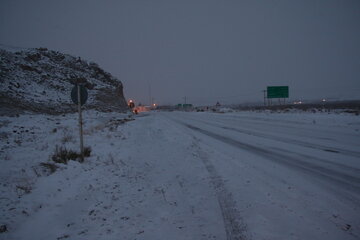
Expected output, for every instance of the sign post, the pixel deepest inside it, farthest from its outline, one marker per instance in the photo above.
(264, 97)
(79, 96)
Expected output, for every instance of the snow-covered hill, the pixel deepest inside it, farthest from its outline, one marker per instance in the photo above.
(41, 80)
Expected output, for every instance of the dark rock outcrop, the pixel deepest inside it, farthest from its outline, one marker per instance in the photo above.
(40, 80)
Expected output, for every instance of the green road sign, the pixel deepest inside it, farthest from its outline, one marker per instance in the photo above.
(184, 105)
(278, 92)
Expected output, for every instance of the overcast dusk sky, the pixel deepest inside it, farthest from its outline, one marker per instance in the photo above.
(206, 50)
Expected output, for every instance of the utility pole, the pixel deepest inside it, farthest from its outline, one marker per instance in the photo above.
(185, 99)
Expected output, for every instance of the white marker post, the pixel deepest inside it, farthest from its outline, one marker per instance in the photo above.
(79, 96)
(80, 124)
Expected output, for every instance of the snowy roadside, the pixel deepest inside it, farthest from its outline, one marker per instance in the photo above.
(153, 178)
(27, 187)
(131, 187)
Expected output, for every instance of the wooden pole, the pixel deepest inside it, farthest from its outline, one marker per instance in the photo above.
(80, 125)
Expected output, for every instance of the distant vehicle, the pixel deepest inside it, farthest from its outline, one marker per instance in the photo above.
(131, 104)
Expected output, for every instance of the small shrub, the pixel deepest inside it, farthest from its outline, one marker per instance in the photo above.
(23, 189)
(87, 151)
(18, 142)
(49, 166)
(3, 228)
(67, 138)
(63, 155)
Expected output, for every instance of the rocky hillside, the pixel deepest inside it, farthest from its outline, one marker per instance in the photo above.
(40, 80)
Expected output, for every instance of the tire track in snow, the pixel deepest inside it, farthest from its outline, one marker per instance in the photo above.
(343, 181)
(345, 168)
(284, 139)
(234, 228)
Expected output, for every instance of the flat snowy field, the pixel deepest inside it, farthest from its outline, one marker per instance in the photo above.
(182, 175)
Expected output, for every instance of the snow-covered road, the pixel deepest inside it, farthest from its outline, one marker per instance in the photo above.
(184, 175)
(291, 177)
